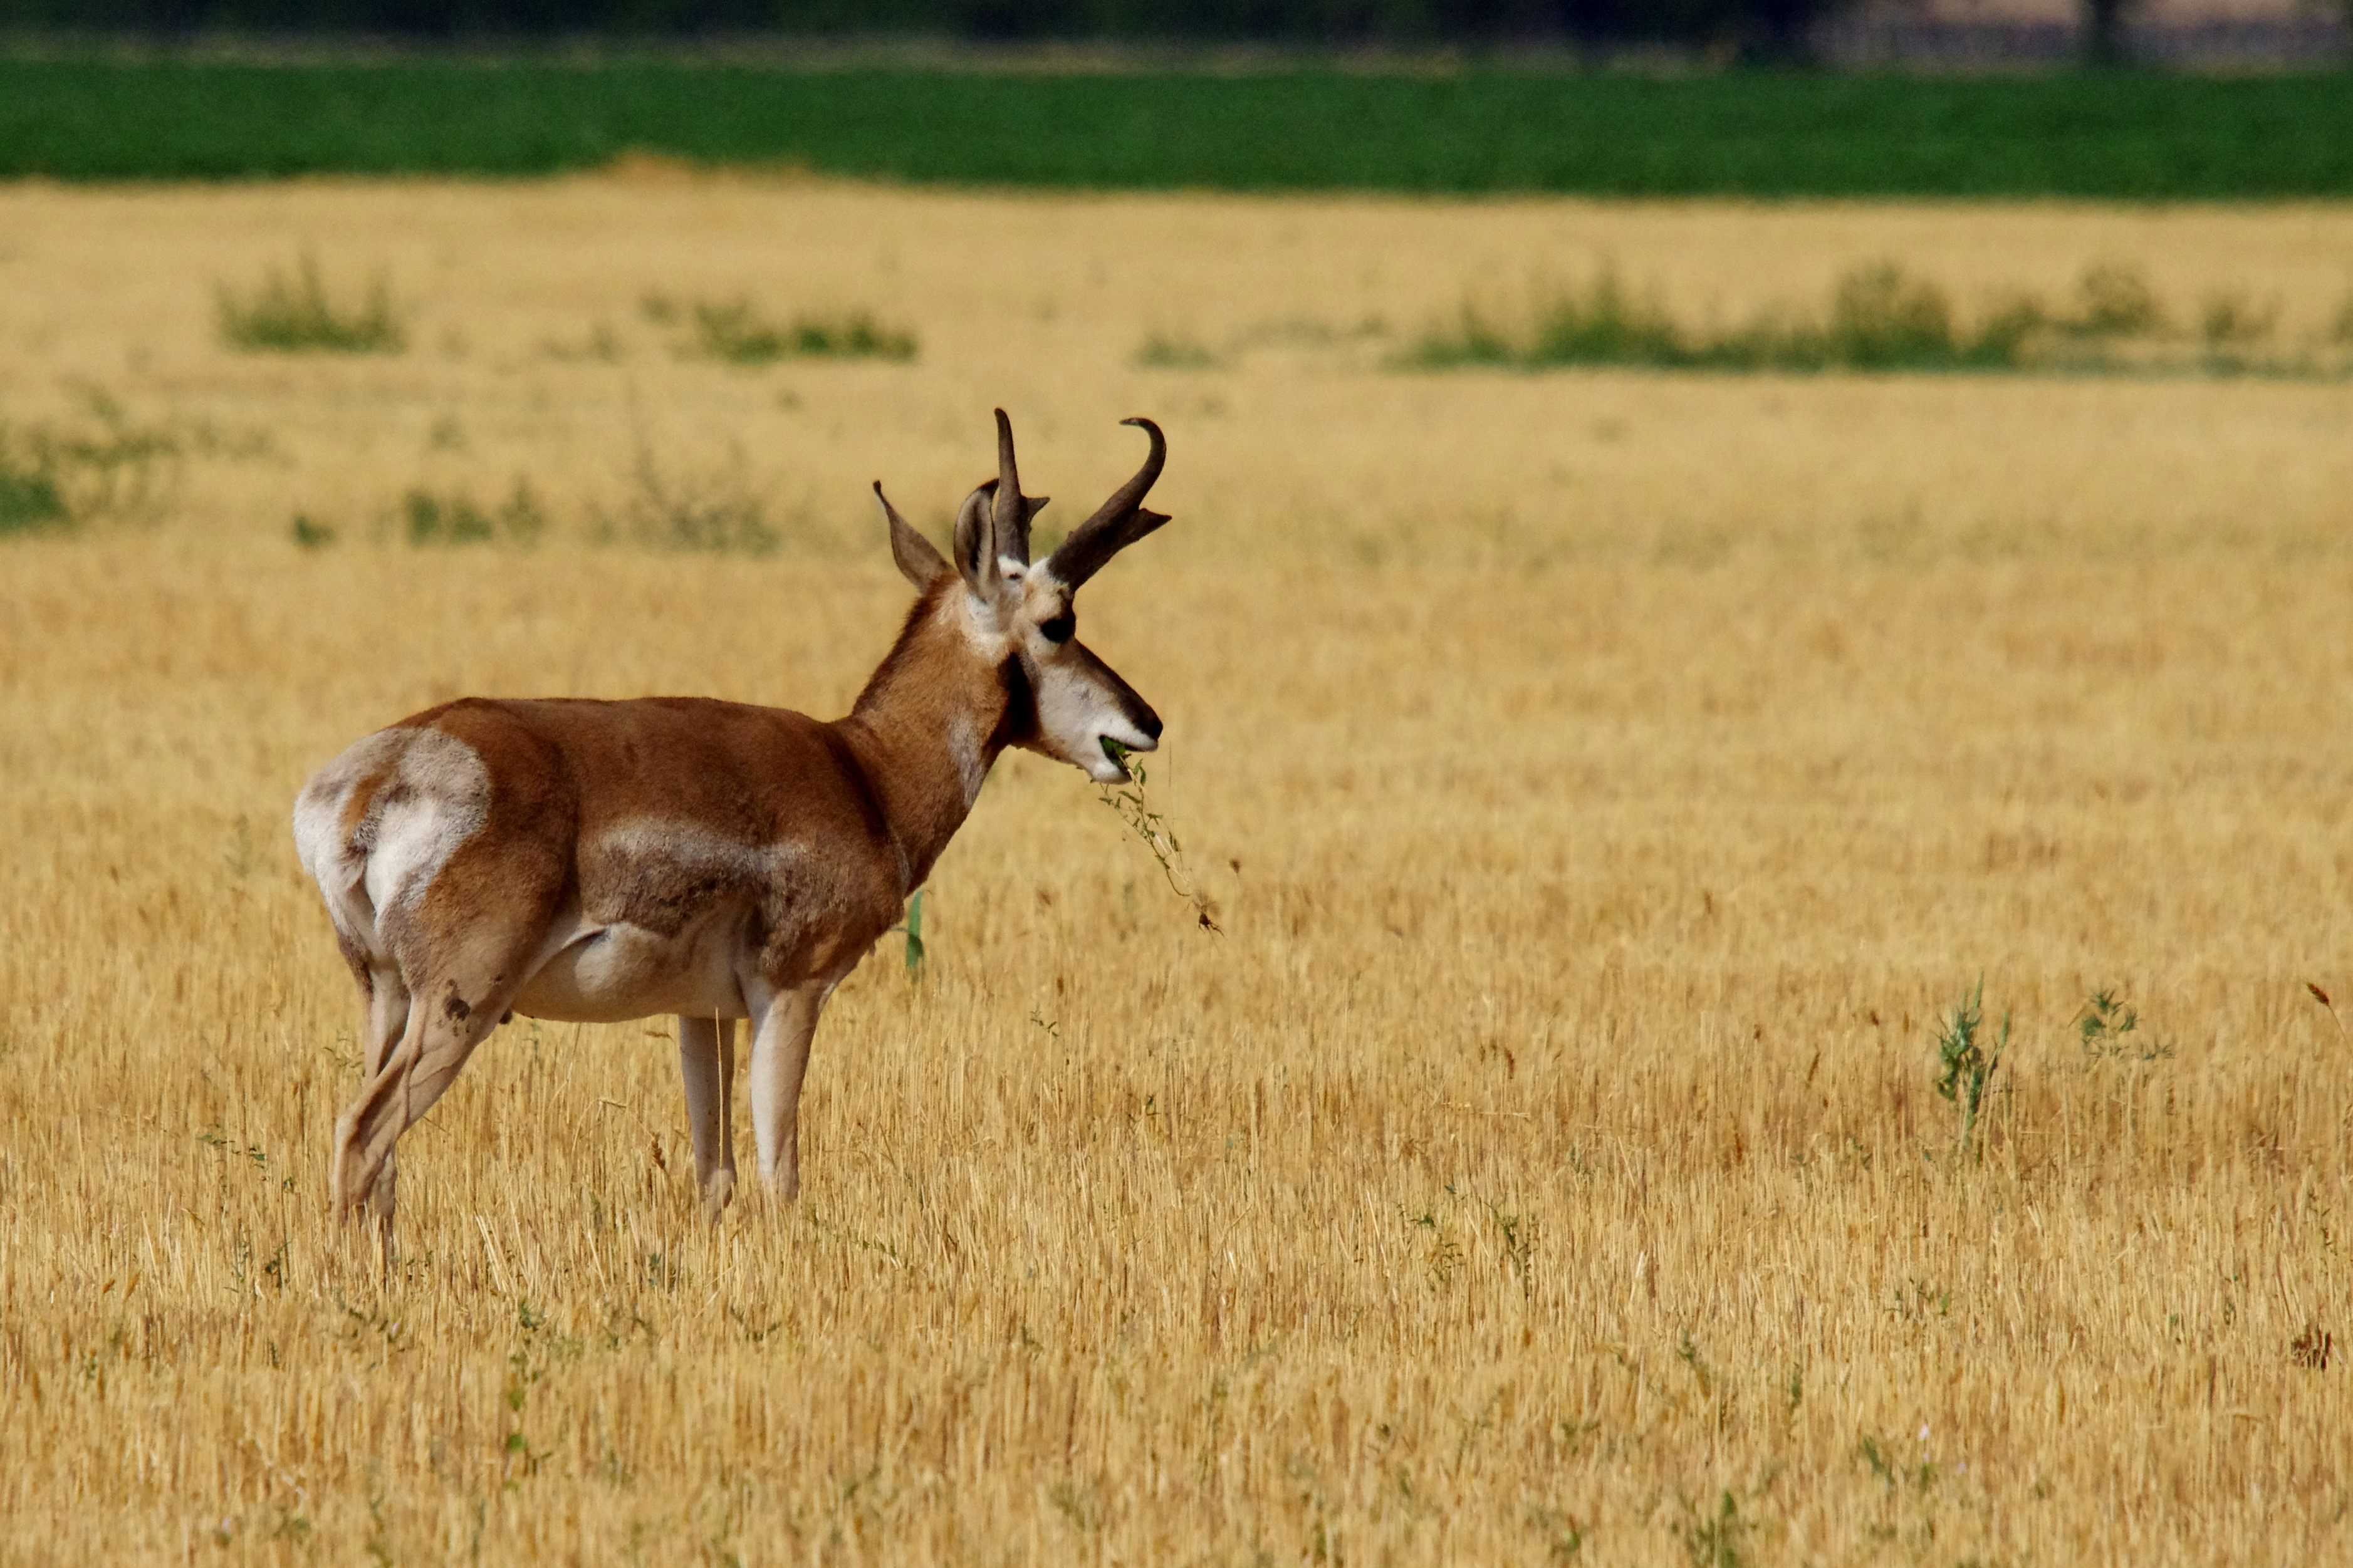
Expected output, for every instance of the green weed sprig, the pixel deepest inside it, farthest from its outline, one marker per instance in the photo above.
(2104, 1025)
(1966, 1067)
(1152, 831)
(911, 928)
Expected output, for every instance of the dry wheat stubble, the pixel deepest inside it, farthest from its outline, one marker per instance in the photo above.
(1604, 782)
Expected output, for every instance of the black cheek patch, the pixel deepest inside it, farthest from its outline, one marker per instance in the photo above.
(1020, 721)
(1060, 628)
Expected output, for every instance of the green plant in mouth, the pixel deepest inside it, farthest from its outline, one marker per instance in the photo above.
(1152, 829)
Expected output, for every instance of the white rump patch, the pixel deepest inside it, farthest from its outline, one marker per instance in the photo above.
(439, 797)
(319, 810)
(336, 864)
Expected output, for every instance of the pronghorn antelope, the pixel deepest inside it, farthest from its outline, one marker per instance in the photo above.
(604, 861)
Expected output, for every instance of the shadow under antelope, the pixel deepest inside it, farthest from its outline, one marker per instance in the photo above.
(603, 861)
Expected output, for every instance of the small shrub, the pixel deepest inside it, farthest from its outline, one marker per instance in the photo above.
(113, 468)
(31, 502)
(737, 335)
(1894, 1473)
(1713, 1539)
(1965, 1067)
(602, 345)
(1563, 1539)
(1880, 318)
(1471, 340)
(1176, 350)
(855, 335)
(311, 534)
(2105, 1029)
(2227, 319)
(1605, 326)
(54, 478)
(2005, 336)
(721, 515)
(2115, 301)
(294, 315)
(427, 520)
(1519, 1248)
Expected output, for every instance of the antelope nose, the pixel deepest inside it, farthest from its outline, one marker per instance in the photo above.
(1149, 723)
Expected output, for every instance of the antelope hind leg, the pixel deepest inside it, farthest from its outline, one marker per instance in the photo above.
(448, 1015)
(706, 1060)
(387, 1021)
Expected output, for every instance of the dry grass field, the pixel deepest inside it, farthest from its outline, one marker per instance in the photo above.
(1607, 786)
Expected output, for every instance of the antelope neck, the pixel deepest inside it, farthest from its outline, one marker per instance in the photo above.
(930, 725)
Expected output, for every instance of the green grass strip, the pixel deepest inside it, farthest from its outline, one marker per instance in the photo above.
(1882, 318)
(2131, 136)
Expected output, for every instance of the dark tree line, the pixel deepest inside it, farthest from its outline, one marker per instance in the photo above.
(1750, 26)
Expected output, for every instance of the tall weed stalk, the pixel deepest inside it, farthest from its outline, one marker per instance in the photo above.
(1965, 1066)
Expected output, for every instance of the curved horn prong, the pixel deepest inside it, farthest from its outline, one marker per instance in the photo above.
(918, 560)
(1118, 522)
(1012, 510)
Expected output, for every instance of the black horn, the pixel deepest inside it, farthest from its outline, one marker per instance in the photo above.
(1011, 510)
(1118, 522)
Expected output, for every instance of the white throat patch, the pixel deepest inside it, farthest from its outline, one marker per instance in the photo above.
(981, 623)
(963, 746)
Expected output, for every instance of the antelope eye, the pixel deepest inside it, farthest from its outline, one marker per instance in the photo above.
(1060, 628)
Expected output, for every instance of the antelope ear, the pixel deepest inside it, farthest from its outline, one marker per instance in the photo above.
(976, 553)
(918, 562)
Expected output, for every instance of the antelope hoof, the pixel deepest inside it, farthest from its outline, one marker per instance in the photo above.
(717, 1194)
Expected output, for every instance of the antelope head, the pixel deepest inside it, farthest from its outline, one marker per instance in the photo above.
(1024, 615)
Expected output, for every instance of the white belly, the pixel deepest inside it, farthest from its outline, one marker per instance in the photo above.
(608, 974)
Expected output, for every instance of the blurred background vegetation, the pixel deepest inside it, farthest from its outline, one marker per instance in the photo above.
(1764, 26)
(1722, 30)
(108, 113)
(1603, 97)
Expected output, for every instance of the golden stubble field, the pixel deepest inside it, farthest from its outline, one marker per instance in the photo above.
(1606, 784)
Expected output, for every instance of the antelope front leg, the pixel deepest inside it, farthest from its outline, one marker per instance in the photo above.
(706, 1060)
(780, 1048)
